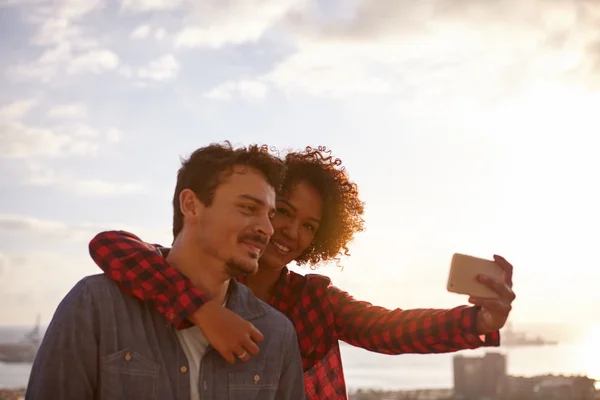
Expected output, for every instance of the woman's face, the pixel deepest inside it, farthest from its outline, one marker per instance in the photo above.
(296, 221)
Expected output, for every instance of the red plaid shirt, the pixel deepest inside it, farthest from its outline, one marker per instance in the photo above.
(322, 314)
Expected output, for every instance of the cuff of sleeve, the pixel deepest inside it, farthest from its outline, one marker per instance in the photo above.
(178, 306)
(469, 326)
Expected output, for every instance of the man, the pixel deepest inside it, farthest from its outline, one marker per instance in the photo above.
(104, 344)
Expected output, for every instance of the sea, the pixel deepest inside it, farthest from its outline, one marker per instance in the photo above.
(367, 370)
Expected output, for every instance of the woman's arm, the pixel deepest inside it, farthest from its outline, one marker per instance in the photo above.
(141, 270)
(406, 331)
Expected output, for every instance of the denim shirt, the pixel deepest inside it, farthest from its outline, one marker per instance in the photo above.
(104, 344)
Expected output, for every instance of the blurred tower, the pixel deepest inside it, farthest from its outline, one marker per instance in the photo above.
(479, 377)
(494, 374)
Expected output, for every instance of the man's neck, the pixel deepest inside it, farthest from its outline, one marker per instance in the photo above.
(204, 272)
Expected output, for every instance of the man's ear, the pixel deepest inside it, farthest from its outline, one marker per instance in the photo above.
(189, 204)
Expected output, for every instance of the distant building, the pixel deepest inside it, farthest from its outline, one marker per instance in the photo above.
(478, 378)
(550, 387)
(485, 378)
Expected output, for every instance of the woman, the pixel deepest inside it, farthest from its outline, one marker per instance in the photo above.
(318, 213)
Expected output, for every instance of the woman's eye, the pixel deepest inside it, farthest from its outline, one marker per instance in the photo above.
(310, 227)
(283, 211)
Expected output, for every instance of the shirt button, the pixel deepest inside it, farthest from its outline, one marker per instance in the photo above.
(256, 378)
(183, 369)
(127, 356)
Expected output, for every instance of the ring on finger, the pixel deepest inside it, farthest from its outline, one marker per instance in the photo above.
(243, 354)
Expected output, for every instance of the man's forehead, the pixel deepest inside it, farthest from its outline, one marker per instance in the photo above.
(250, 184)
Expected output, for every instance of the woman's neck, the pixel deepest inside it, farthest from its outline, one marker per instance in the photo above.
(263, 282)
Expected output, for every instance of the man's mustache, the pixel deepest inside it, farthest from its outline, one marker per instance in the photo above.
(253, 237)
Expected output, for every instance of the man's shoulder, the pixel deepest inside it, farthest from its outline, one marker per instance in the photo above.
(100, 288)
(98, 283)
(263, 313)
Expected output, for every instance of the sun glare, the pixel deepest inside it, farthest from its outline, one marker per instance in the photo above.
(589, 354)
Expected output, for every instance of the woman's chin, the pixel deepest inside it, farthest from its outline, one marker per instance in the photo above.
(272, 261)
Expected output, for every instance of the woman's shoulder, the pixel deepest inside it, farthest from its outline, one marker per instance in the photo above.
(308, 280)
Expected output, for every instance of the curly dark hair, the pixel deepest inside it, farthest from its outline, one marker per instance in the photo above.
(342, 208)
(205, 169)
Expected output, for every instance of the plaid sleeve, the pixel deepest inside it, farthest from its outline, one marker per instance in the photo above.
(140, 270)
(399, 331)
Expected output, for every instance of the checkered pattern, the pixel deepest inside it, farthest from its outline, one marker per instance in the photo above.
(141, 271)
(322, 314)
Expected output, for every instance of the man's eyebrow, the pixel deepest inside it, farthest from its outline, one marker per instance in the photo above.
(253, 199)
(258, 201)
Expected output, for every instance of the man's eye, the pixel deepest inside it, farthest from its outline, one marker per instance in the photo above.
(283, 211)
(249, 207)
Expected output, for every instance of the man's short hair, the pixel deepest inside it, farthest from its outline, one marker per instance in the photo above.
(205, 169)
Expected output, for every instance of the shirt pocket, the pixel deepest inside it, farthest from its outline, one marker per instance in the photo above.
(127, 374)
(252, 384)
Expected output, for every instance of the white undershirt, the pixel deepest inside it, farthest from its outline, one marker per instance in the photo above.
(194, 345)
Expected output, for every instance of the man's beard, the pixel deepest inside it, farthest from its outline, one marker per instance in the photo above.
(237, 269)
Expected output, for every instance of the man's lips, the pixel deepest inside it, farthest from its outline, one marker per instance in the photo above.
(254, 247)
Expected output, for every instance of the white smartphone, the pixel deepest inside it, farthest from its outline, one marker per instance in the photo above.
(464, 269)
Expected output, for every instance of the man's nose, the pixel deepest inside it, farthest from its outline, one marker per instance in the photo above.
(265, 227)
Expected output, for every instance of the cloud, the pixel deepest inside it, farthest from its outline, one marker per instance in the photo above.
(39, 174)
(24, 140)
(68, 111)
(96, 187)
(21, 140)
(63, 59)
(16, 110)
(24, 225)
(95, 61)
(211, 24)
(162, 69)
(247, 89)
(144, 31)
(67, 45)
(37, 228)
(141, 32)
(150, 5)
(113, 135)
(160, 34)
(437, 53)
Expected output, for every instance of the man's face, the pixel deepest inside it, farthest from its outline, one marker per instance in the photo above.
(236, 227)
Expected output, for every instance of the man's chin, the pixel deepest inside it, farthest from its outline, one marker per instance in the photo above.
(237, 269)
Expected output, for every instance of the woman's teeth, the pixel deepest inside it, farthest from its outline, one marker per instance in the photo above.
(281, 247)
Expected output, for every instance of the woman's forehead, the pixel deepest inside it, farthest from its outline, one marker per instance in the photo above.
(303, 197)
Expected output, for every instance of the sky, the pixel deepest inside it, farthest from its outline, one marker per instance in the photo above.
(467, 127)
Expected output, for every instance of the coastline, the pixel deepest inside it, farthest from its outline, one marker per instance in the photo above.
(359, 394)
(12, 394)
